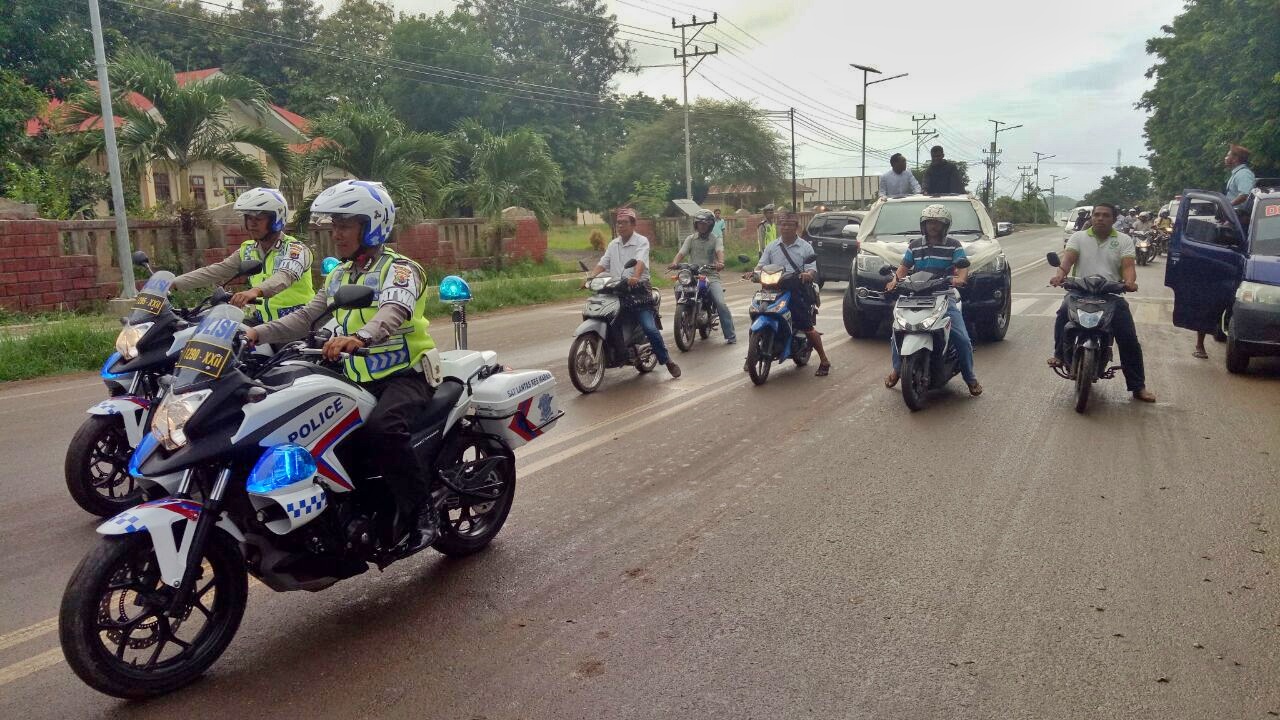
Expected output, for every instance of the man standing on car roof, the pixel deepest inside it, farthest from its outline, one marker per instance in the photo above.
(942, 176)
(898, 180)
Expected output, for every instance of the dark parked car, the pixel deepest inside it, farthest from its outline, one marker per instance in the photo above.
(835, 246)
(889, 226)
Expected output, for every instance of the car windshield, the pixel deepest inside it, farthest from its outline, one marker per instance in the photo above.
(1266, 230)
(903, 218)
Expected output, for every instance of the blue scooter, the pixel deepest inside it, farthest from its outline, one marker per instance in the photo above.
(773, 336)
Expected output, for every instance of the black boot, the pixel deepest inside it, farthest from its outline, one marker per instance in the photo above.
(426, 529)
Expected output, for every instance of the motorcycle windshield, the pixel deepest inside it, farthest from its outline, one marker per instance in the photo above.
(152, 299)
(207, 355)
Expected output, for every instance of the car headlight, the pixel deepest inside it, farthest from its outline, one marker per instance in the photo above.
(1252, 292)
(685, 277)
(1089, 320)
(1001, 263)
(870, 264)
(170, 421)
(127, 340)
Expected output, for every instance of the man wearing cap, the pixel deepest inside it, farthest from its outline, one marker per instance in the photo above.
(627, 246)
(898, 180)
(766, 231)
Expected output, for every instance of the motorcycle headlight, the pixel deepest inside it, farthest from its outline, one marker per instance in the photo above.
(685, 277)
(1252, 292)
(127, 340)
(170, 421)
(770, 278)
(1089, 320)
(871, 264)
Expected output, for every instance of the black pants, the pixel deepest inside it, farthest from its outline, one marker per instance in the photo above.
(387, 436)
(1126, 335)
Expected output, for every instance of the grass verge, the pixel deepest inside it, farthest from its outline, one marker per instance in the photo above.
(75, 344)
(511, 292)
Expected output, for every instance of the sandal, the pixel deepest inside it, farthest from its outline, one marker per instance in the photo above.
(1200, 354)
(823, 370)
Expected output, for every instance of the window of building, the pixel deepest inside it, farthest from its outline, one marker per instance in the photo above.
(233, 186)
(164, 195)
(197, 191)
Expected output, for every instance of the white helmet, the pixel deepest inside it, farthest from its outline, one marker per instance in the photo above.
(936, 212)
(264, 200)
(361, 199)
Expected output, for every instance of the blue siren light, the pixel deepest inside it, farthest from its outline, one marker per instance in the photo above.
(281, 466)
(454, 289)
(328, 264)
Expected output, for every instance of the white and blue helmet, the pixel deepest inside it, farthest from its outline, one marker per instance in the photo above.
(359, 198)
(264, 200)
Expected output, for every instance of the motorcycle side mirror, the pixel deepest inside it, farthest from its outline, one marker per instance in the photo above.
(886, 270)
(1053, 259)
(630, 263)
(583, 266)
(352, 297)
(140, 258)
(249, 267)
(744, 258)
(219, 296)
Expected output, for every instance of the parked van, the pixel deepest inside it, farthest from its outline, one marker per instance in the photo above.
(1069, 224)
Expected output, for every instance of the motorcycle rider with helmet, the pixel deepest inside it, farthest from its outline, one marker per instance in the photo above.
(1142, 224)
(1164, 223)
(284, 282)
(938, 253)
(401, 366)
(705, 248)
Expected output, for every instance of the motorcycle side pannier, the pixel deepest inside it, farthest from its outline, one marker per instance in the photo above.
(518, 405)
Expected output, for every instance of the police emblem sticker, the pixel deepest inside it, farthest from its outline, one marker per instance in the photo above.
(295, 252)
(402, 275)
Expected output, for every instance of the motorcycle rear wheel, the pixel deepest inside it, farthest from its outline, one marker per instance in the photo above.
(1086, 374)
(115, 604)
(587, 362)
(648, 359)
(467, 526)
(759, 349)
(684, 327)
(915, 380)
(97, 467)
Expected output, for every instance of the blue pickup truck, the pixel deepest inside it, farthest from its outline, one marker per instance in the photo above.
(1225, 277)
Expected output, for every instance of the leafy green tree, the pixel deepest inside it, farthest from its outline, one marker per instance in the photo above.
(18, 102)
(1129, 186)
(188, 123)
(357, 26)
(650, 196)
(45, 43)
(370, 143)
(185, 44)
(59, 192)
(285, 72)
(457, 42)
(1216, 83)
(731, 143)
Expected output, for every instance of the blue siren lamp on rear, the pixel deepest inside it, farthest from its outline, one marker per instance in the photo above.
(281, 466)
(328, 264)
(454, 289)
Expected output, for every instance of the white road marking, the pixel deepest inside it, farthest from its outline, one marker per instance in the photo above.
(60, 388)
(1021, 304)
(23, 668)
(31, 632)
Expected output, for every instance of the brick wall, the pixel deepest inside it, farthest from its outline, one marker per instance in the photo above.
(35, 275)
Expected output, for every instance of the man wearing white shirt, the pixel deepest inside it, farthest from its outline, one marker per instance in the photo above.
(899, 180)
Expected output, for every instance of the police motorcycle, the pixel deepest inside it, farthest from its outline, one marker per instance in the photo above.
(922, 332)
(286, 495)
(608, 337)
(1087, 340)
(695, 308)
(96, 464)
(773, 337)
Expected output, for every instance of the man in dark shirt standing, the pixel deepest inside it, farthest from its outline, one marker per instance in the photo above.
(942, 176)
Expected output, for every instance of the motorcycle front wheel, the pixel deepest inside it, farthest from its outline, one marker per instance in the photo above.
(915, 380)
(587, 362)
(759, 360)
(1086, 373)
(97, 467)
(113, 624)
(684, 327)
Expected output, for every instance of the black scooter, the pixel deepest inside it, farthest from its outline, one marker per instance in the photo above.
(609, 337)
(1087, 340)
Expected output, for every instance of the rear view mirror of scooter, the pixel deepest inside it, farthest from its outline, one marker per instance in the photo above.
(248, 268)
(744, 258)
(1053, 259)
(141, 260)
(583, 266)
(886, 270)
(630, 263)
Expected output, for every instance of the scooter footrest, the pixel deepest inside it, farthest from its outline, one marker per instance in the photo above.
(1110, 372)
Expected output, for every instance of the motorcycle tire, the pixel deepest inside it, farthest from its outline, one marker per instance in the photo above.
(915, 380)
(647, 361)
(475, 524)
(97, 462)
(684, 327)
(704, 329)
(587, 362)
(1086, 374)
(802, 358)
(85, 634)
(759, 360)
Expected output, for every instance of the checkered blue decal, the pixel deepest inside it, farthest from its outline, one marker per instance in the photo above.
(313, 504)
(130, 523)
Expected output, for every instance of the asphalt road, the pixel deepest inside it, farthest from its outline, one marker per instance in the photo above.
(705, 548)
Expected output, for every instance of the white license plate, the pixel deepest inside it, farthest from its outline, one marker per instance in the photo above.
(766, 297)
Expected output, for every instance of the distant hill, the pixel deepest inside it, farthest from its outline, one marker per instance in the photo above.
(1063, 202)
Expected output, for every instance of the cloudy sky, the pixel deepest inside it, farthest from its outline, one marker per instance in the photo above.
(1070, 77)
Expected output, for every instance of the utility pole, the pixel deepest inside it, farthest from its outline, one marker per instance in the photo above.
(128, 288)
(995, 157)
(1024, 172)
(1041, 156)
(1117, 159)
(922, 135)
(794, 207)
(683, 56)
(1053, 195)
(862, 115)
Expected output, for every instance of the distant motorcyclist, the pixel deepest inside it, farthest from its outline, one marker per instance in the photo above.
(940, 254)
(703, 247)
(284, 282)
(793, 254)
(398, 369)
(1124, 223)
(1164, 223)
(1143, 223)
(1082, 220)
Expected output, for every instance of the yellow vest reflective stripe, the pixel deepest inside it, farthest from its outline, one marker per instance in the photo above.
(292, 297)
(406, 346)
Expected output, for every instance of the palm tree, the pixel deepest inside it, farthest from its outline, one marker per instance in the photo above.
(370, 143)
(514, 169)
(189, 123)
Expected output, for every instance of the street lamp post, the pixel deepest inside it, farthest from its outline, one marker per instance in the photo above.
(862, 180)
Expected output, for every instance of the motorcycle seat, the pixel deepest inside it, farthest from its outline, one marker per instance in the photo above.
(437, 409)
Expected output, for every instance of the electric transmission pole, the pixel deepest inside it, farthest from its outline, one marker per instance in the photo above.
(995, 158)
(1053, 195)
(1024, 172)
(1041, 156)
(922, 135)
(683, 55)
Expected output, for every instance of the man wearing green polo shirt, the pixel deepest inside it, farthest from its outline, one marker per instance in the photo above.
(1101, 250)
